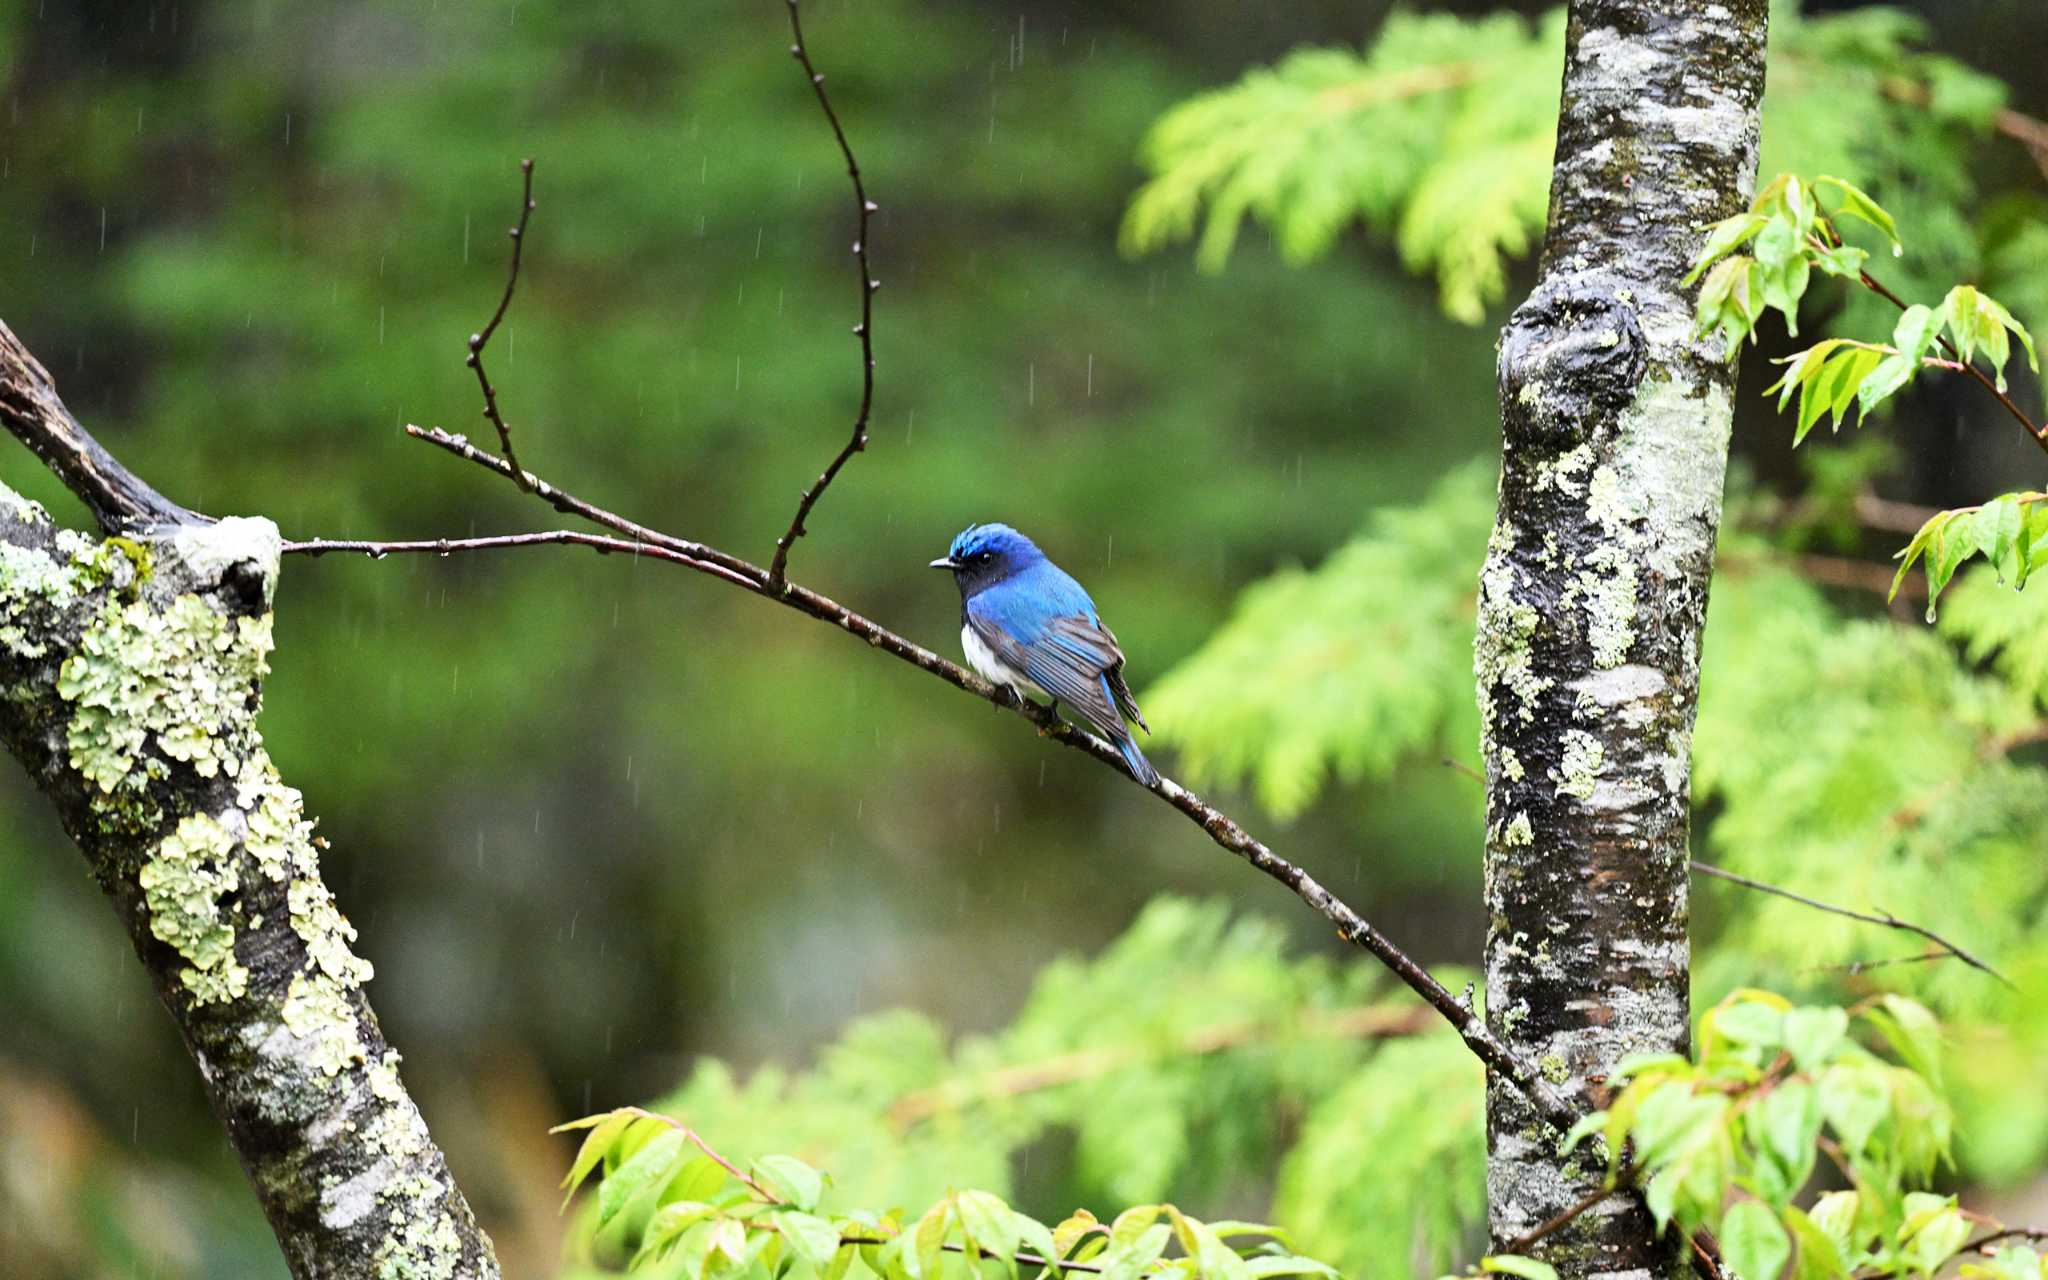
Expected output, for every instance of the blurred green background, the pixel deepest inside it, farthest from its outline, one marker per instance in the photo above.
(595, 819)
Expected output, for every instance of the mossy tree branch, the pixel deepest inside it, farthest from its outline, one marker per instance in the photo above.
(131, 675)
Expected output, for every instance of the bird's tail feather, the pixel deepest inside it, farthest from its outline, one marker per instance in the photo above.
(1141, 768)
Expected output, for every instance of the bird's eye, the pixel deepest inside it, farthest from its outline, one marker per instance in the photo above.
(982, 557)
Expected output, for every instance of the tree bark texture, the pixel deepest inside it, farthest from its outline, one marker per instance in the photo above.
(1592, 600)
(130, 678)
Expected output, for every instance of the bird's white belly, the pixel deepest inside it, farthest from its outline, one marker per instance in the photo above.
(991, 668)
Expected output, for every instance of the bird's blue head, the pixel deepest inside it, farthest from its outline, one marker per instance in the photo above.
(985, 554)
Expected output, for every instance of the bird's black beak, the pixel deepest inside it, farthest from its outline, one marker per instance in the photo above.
(945, 562)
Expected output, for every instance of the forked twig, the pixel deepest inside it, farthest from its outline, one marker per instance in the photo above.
(479, 340)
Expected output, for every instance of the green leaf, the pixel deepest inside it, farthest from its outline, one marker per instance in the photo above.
(1724, 236)
(1855, 1098)
(1916, 330)
(1745, 1022)
(988, 1222)
(647, 1170)
(1789, 1117)
(1586, 1125)
(810, 1237)
(669, 1222)
(1634, 1065)
(1834, 1214)
(1514, 1264)
(1035, 1235)
(1844, 261)
(1960, 314)
(1884, 379)
(1126, 1260)
(1132, 1223)
(1777, 244)
(1858, 205)
(1819, 1256)
(1753, 1241)
(928, 1239)
(1813, 1035)
(596, 1144)
(1912, 1031)
(1671, 1118)
(1933, 1230)
(790, 1180)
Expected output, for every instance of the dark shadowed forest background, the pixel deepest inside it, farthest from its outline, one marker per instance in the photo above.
(597, 821)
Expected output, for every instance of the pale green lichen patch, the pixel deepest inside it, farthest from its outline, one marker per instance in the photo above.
(177, 676)
(1579, 770)
(183, 883)
(317, 1009)
(1606, 584)
(422, 1243)
(1562, 473)
(1510, 763)
(1518, 832)
(1501, 651)
(384, 1078)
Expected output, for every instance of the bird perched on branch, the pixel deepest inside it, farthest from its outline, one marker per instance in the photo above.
(1027, 626)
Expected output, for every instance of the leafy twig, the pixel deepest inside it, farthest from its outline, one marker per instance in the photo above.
(1884, 918)
(479, 340)
(696, 1140)
(778, 567)
(2038, 432)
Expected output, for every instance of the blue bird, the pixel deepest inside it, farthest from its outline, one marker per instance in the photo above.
(1026, 625)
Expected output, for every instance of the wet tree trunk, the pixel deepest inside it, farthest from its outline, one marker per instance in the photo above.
(130, 680)
(1592, 601)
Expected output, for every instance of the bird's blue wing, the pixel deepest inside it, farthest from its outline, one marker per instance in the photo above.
(1072, 658)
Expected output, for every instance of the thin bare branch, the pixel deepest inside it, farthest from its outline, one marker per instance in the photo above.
(481, 339)
(1221, 828)
(1885, 918)
(1624, 1180)
(556, 537)
(779, 566)
(1982, 1244)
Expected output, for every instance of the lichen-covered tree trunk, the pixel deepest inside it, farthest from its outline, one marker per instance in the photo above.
(130, 678)
(1615, 425)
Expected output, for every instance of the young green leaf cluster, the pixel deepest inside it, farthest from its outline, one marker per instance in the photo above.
(1729, 1140)
(2010, 531)
(1790, 233)
(669, 1205)
(1441, 135)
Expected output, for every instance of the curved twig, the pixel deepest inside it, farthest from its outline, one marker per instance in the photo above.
(779, 566)
(1885, 918)
(479, 340)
